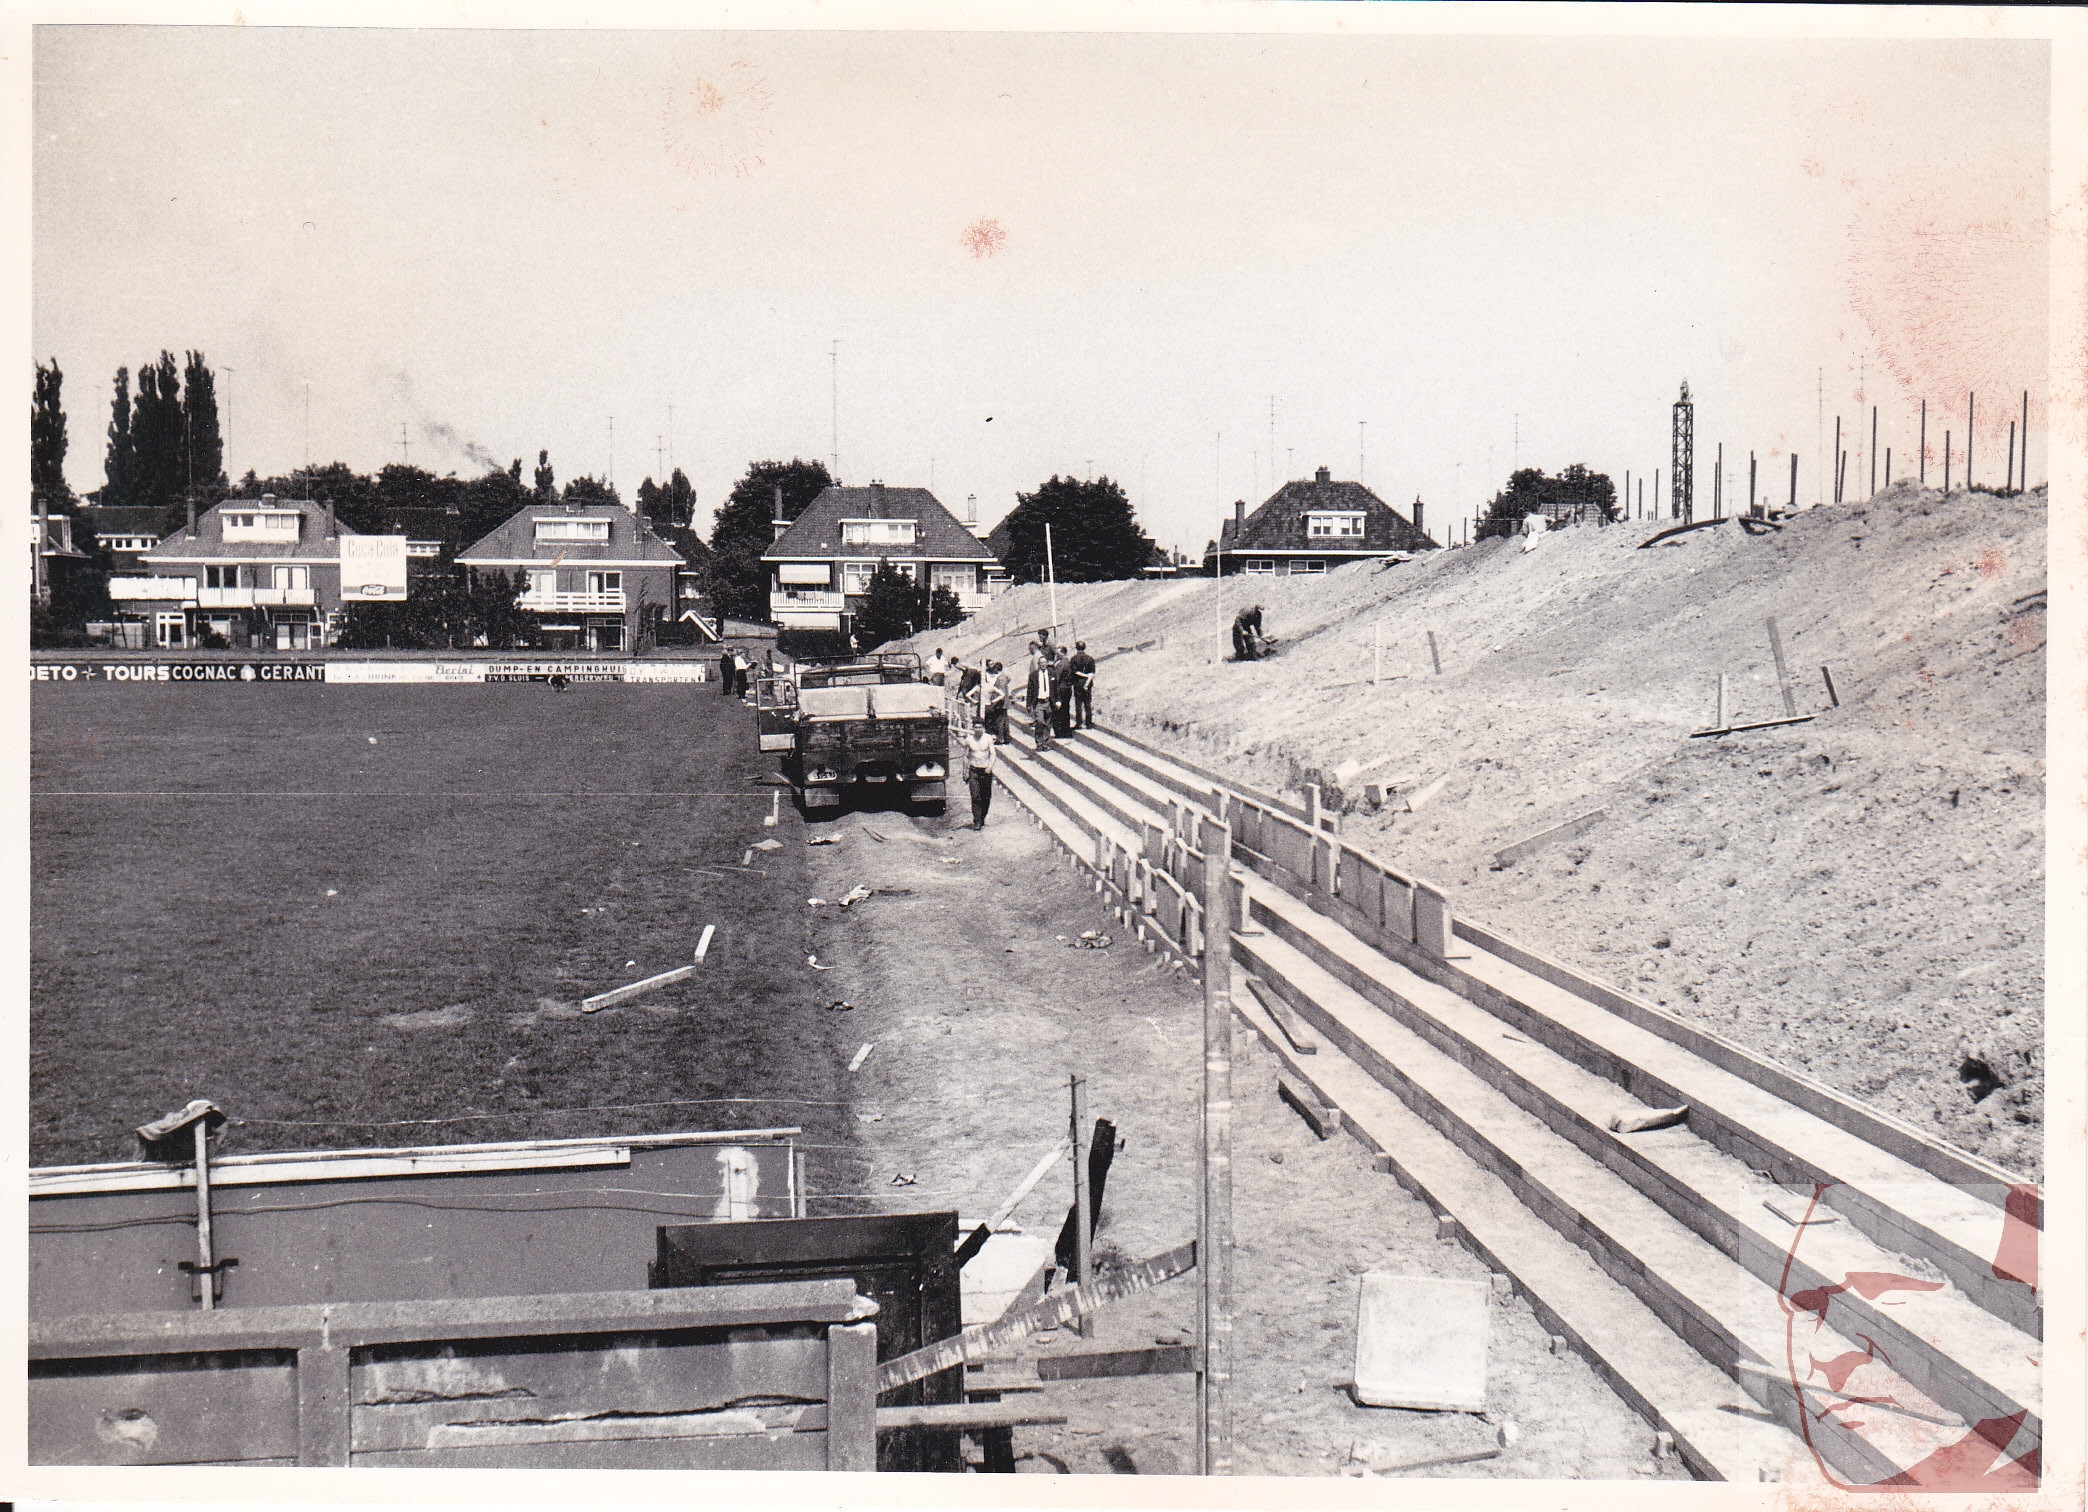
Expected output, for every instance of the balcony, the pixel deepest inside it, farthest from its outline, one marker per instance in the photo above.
(255, 598)
(152, 589)
(806, 600)
(572, 603)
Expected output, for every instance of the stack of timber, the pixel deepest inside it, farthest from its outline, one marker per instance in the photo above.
(1729, 1276)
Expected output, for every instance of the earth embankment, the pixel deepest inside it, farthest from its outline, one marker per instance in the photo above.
(1860, 897)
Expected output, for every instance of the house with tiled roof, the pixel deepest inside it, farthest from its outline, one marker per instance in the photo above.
(594, 576)
(820, 565)
(125, 531)
(264, 573)
(1310, 525)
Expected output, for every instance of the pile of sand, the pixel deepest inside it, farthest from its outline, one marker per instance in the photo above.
(1860, 897)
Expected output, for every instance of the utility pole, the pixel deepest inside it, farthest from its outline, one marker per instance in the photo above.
(834, 419)
(612, 453)
(660, 461)
(1921, 457)
(1359, 449)
(1272, 440)
(405, 447)
(1819, 430)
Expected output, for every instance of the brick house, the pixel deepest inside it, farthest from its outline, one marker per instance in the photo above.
(1310, 525)
(125, 531)
(260, 573)
(595, 576)
(820, 566)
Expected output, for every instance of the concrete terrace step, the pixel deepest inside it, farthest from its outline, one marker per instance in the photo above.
(1721, 1432)
(1902, 1208)
(1974, 1364)
(1732, 1319)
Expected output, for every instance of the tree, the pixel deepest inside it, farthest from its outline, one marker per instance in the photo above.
(650, 496)
(944, 609)
(1528, 489)
(681, 499)
(47, 484)
(120, 461)
(895, 607)
(587, 491)
(1094, 534)
(155, 430)
(546, 483)
(742, 532)
(204, 444)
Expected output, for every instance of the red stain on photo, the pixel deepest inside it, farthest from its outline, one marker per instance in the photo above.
(984, 237)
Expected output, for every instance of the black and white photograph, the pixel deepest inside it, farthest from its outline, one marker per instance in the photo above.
(1120, 742)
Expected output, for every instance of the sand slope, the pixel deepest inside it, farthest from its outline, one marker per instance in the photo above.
(1860, 897)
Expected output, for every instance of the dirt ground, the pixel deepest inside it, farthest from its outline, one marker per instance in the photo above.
(1860, 897)
(976, 1011)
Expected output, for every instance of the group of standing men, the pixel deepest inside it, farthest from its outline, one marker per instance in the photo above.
(1058, 695)
(733, 668)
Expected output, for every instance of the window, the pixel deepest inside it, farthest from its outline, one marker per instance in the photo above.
(605, 582)
(543, 583)
(855, 576)
(1309, 567)
(293, 577)
(568, 529)
(221, 577)
(262, 525)
(877, 532)
(960, 580)
(1329, 524)
(1260, 567)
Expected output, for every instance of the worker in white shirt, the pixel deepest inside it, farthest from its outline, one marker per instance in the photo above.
(978, 771)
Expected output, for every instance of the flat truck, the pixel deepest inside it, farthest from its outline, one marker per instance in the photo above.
(871, 724)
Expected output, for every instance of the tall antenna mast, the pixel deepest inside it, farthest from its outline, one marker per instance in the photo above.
(834, 433)
(612, 453)
(1359, 449)
(1272, 441)
(1681, 483)
(405, 447)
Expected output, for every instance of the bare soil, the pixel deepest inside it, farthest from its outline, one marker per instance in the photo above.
(978, 1007)
(1860, 897)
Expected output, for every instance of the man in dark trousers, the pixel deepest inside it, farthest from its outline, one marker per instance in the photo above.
(1247, 634)
(1083, 687)
(978, 771)
(1061, 693)
(726, 668)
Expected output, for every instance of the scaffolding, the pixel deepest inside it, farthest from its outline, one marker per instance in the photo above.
(1684, 460)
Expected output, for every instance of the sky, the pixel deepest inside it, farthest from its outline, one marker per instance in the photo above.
(973, 260)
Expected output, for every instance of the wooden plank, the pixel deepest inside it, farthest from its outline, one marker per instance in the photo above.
(852, 1386)
(161, 1417)
(747, 1451)
(324, 1401)
(1783, 672)
(610, 999)
(1294, 1028)
(1761, 725)
(1167, 1359)
(953, 1417)
(1001, 1214)
(1061, 1307)
(405, 1403)
(1507, 856)
(356, 1324)
(1323, 1122)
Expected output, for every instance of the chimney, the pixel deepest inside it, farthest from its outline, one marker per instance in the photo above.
(1320, 476)
(779, 522)
(331, 529)
(1239, 515)
(971, 512)
(268, 498)
(192, 516)
(1417, 515)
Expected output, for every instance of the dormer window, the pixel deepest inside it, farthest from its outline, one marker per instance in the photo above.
(877, 532)
(1330, 524)
(563, 528)
(278, 525)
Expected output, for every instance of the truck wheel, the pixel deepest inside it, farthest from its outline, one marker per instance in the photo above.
(932, 807)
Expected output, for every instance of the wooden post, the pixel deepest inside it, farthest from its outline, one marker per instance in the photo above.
(1874, 453)
(2009, 479)
(799, 1201)
(1720, 722)
(1969, 398)
(1752, 495)
(1888, 467)
(1718, 486)
(1792, 507)
(1922, 455)
(1435, 653)
(1312, 807)
(1083, 1236)
(851, 1432)
(1841, 474)
(2026, 438)
(1832, 696)
(1783, 675)
(207, 1274)
(1214, 1245)
(1946, 461)
(1836, 453)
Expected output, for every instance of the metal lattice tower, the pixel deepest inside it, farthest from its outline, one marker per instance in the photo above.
(1684, 460)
